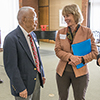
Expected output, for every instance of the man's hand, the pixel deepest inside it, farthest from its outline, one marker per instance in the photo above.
(23, 94)
(99, 61)
(43, 79)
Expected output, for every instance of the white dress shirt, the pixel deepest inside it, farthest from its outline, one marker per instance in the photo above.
(28, 40)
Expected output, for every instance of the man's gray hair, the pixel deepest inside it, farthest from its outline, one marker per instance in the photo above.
(23, 12)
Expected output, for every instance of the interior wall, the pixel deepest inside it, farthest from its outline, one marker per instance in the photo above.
(54, 7)
(32, 3)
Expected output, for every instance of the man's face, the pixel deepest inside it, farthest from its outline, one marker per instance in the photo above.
(31, 21)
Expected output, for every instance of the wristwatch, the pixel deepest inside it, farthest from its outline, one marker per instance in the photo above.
(83, 60)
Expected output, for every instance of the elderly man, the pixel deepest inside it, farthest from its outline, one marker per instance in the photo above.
(22, 59)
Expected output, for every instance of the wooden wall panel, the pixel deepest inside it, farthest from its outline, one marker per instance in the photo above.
(32, 3)
(43, 16)
(43, 2)
(20, 3)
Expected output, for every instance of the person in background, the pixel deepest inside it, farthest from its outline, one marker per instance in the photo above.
(21, 56)
(1, 81)
(66, 72)
(98, 60)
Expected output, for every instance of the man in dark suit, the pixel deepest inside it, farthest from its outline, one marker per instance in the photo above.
(19, 60)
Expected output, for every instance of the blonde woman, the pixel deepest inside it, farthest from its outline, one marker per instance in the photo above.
(67, 73)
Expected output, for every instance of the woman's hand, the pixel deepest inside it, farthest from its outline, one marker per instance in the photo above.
(75, 60)
(71, 63)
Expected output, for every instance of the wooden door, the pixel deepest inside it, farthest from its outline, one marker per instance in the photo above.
(44, 13)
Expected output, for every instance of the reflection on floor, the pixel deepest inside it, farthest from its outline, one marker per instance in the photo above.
(46, 52)
(49, 92)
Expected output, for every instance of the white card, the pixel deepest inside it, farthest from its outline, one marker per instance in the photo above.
(62, 36)
(37, 44)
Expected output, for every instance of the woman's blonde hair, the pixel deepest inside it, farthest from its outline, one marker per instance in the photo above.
(75, 10)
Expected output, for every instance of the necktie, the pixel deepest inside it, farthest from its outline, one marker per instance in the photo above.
(34, 53)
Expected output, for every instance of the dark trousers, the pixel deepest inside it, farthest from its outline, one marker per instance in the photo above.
(79, 85)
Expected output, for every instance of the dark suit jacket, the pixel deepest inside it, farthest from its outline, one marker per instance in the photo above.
(19, 64)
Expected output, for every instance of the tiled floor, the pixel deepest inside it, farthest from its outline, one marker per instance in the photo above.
(49, 92)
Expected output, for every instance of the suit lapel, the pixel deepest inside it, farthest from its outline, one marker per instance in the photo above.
(36, 43)
(79, 37)
(24, 44)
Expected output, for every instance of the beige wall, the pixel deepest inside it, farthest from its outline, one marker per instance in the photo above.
(55, 6)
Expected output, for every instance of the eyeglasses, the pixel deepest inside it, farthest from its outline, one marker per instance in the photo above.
(35, 18)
